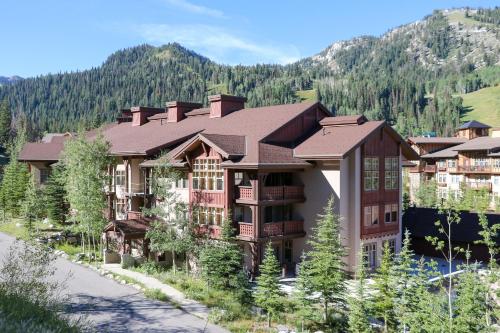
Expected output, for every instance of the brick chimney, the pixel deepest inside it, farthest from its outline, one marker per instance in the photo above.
(222, 105)
(140, 114)
(177, 109)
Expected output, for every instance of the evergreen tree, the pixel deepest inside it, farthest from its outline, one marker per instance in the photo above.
(324, 269)
(55, 195)
(221, 261)
(16, 177)
(385, 290)
(304, 303)
(268, 295)
(5, 122)
(471, 302)
(406, 281)
(360, 304)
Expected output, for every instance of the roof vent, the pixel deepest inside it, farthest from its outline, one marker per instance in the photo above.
(343, 121)
(222, 105)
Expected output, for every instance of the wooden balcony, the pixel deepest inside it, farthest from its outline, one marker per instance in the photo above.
(272, 229)
(430, 169)
(475, 168)
(270, 193)
(479, 185)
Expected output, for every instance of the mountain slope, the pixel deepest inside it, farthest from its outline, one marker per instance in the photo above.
(9, 79)
(388, 77)
(483, 105)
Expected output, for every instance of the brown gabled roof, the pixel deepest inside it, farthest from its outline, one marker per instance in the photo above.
(481, 143)
(336, 142)
(444, 153)
(439, 140)
(132, 227)
(49, 149)
(253, 123)
(230, 145)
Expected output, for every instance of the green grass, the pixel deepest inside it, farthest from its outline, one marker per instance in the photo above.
(459, 17)
(18, 314)
(307, 95)
(69, 249)
(483, 105)
(156, 294)
(10, 227)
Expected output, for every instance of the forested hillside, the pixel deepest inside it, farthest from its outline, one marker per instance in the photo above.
(411, 76)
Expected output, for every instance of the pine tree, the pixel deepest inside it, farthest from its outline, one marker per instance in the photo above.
(406, 284)
(360, 303)
(268, 295)
(301, 296)
(385, 290)
(5, 122)
(324, 269)
(221, 261)
(471, 302)
(55, 195)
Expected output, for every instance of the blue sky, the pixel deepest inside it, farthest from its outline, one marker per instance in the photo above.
(52, 36)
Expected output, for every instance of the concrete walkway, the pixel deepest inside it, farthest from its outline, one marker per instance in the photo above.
(188, 305)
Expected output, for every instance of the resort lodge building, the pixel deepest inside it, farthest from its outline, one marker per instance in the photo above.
(471, 159)
(274, 168)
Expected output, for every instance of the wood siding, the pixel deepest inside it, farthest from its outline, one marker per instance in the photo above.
(380, 145)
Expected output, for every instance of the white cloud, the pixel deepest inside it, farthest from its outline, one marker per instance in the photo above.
(218, 44)
(197, 9)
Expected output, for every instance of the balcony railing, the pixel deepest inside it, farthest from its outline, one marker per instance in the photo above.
(287, 192)
(430, 169)
(272, 229)
(479, 185)
(475, 168)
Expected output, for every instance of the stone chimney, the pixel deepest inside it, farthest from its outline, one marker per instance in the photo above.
(177, 109)
(140, 114)
(222, 105)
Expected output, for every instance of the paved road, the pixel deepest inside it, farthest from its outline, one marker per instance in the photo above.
(113, 307)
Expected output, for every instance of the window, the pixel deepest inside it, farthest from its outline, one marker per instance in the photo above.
(455, 179)
(496, 162)
(392, 245)
(442, 193)
(480, 161)
(208, 175)
(121, 208)
(238, 178)
(391, 173)
(208, 215)
(370, 253)
(182, 182)
(120, 177)
(441, 164)
(452, 163)
(391, 213)
(371, 170)
(371, 215)
(44, 175)
(442, 178)
(496, 180)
